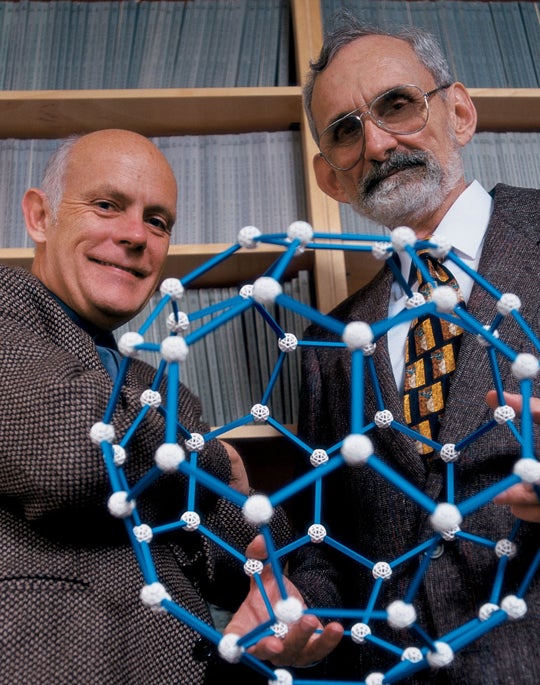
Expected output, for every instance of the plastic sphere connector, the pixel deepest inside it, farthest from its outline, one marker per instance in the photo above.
(253, 567)
(412, 654)
(153, 594)
(402, 237)
(375, 678)
(260, 413)
(416, 300)
(246, 291)
(356, 449)
(450, 534)
(317, 533)
(177, 323)
(288, 343)
(359, 632)
(229, 649)
(449, 453)
(195, 443)
(381, 569)
(152, 398)
(505, 548)
(300, 230)
(507, 303)
(483, 340)
(266, 290)
(281, 677)
(504, 413)
(400, 614)
(357, 335)
(169, 456)
(525, 366)
(119, 455)
(514, 606)
(102, 432)
(174, 349)
(486, 610)
(445, 299)
(288, 610)
(528, 469)
(442, 246)
(128, 343)
(258, 509)
(173, 288)
(280, 629)
(191, 519)
(247, 237)
(383, 418)
(119, 505)
(381, 250)
(318, 457)
(143, 533)
(445, 517)
(443, 656)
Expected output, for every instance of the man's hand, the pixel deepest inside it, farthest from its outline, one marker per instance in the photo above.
(304, 644)
(523, 501)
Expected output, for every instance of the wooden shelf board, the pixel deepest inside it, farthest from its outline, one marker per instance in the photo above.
(507, 109)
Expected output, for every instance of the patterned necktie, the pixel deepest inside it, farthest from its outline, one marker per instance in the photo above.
(430, 359)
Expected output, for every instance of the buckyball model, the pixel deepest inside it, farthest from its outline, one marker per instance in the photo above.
(448, 519)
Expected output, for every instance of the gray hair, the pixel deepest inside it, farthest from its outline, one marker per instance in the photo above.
(53, 182)
(346, 27)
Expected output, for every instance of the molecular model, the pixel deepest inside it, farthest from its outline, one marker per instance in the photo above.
(448, 519)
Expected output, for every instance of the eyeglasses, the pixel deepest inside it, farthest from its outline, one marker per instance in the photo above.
(402, 110)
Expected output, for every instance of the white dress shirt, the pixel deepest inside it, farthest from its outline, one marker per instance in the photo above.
(464, 225)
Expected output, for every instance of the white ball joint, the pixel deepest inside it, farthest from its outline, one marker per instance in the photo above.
(177, 323)
(383, 418)
(375, 678)
(505, 548)
(356, 449)
(288, 343)
(102, 432)
(357, 335)
(416, 300)
(442, 247)
(281, 677)
(266, 290)
(316, 533)
(525, 366)
(288, 610)
(382, 570)
(258, 510)
(402, 237)
(260, 413)
(301, 231)
(359, 632)
(381, 250)
(280, 630)
(253, 567)
(442, 656)
(192, 520)
(318, 457)
(514, 606)
(504, 413)
(195, 443)
(168, 457)
(246, 291)
(229, 649)
(445, 298)
(119, 455)
(152, 595)
(528, 469)
(128, 343)
(119, 505)
(445, 517)
(173, 288)
(507, 303)
(487, 610)
(248, 237)
(400, 614)
(151, 398)
(143, 533)
(174, 349)
(412, 654)
(449, 453)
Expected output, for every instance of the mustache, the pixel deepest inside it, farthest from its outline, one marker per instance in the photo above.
(398, 161)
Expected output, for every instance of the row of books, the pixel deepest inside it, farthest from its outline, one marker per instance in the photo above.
(487, 44)
(225, 182)
(144, 44)
(229, 368)
(235, 180)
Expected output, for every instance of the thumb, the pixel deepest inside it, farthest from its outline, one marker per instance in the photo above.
(257, 548)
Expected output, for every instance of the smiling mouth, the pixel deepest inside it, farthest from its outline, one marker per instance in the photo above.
(133, 272)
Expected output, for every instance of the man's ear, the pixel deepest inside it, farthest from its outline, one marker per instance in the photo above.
(327, 179)
(37, 214)
(463, 113)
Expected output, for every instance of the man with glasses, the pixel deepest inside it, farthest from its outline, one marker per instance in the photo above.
(390, 124)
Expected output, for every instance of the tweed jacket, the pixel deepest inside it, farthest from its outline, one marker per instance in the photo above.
(364, 511)
(69, 582)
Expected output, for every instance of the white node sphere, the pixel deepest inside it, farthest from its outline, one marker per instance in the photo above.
(382, 569)
(359, 632)
(445, 298)
(288, 343)
(266, 290)
(281, 677)
(528, 469)
(195, 443)
(381, 250)
(300, 230)
(514, 606)
(482, 338)
(503, 414)
(119, 505)
(102, 432)
(280, 629)
(174, 349)
(375, 678)
(143, 533)
(357, 335)
(229, 649)
(168, 457)
(442, 246)
(525, 366)
(318, 457)
(383, 418)
(412, 654)
(507, 303)
(442, 657)
(445, 517)
(178, 323)
(505, 548)
(191, 519)
(152, 398)
(153, 594)
(119, 455)
(247, 237)
(450, 534)
(486, 610)
(402, 237)
(128, 343)
(173, 288)
(416, 300)
(356, 449)
(400, 614)
(449, 453)
(253, 567)
(258, 509)
(260, 413)
(317, 533)
(246, 291)
(288, 610)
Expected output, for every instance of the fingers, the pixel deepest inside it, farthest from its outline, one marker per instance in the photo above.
(523, 502)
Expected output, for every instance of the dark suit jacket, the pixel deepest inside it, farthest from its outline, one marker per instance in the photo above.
(366, 512)
(69, 581)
